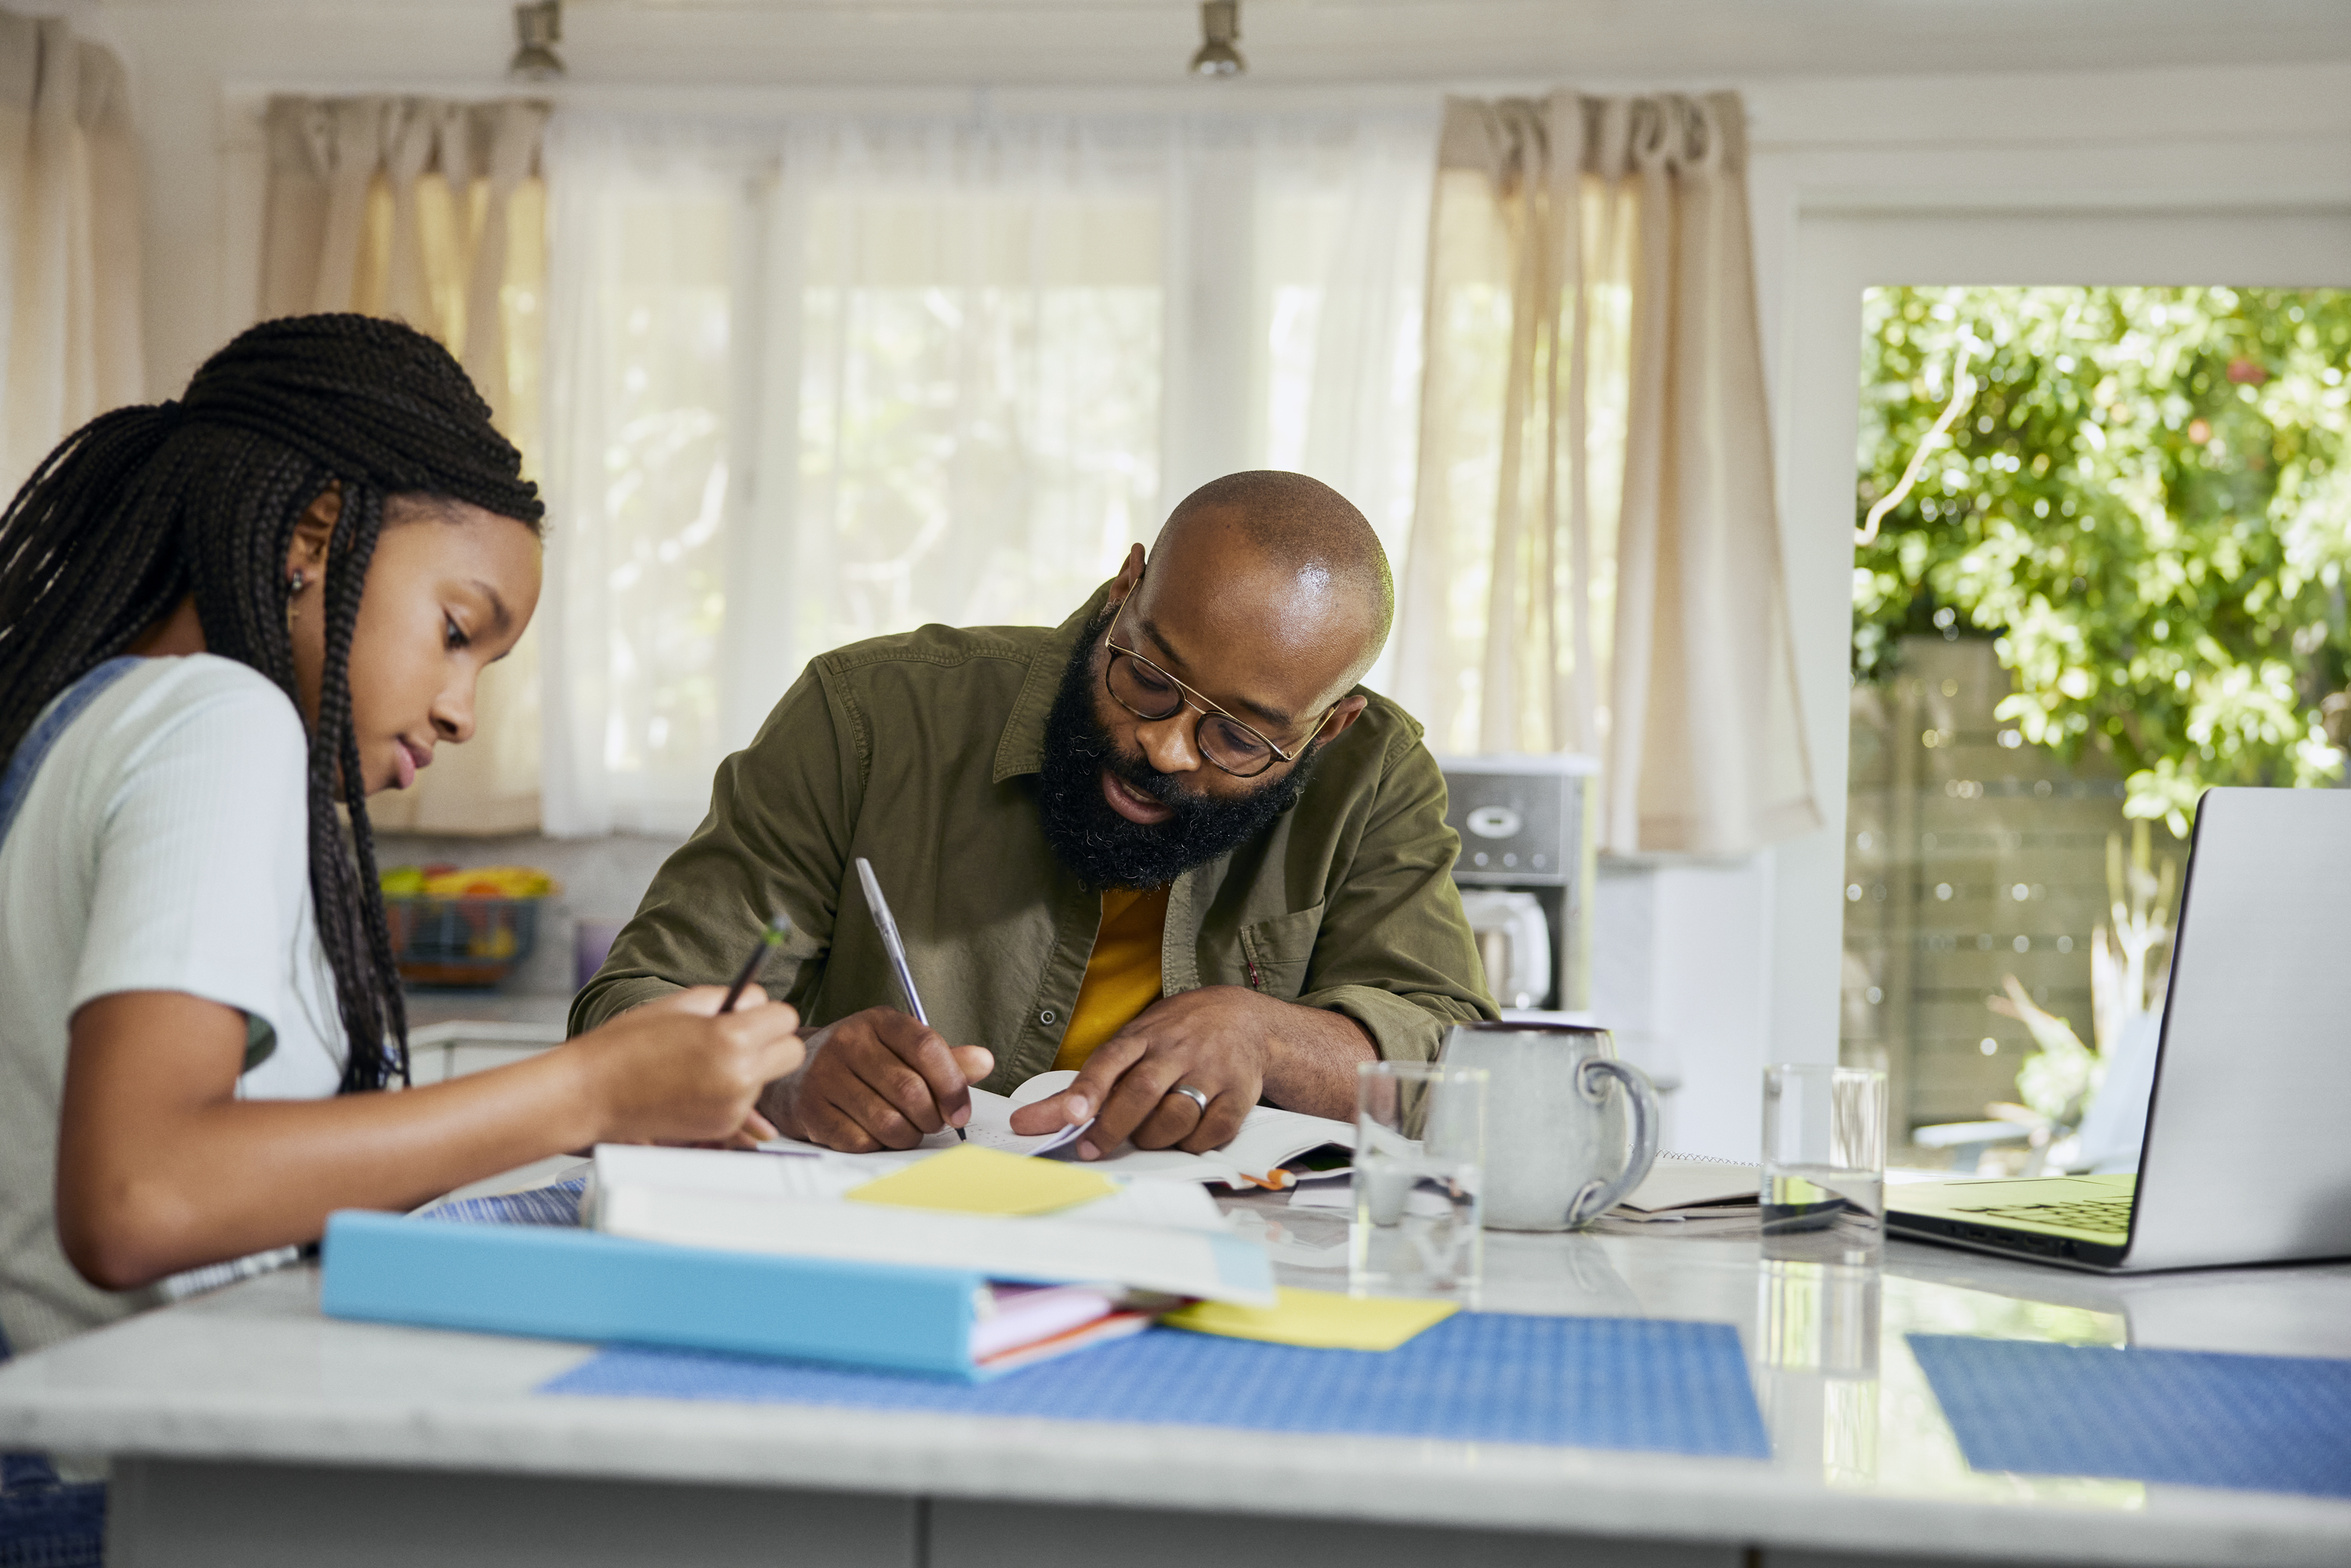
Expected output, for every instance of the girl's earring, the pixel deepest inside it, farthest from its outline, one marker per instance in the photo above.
(294, 586)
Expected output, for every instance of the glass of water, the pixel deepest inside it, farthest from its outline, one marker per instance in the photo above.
(1823, 1164)
(1420, 1167)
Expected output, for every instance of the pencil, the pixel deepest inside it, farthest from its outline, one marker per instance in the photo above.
(771, 937)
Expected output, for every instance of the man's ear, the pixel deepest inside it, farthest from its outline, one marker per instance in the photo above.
(1128, 575)
(312, 530)
(1349, 710)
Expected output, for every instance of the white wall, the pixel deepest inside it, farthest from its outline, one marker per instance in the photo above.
(1726, 966)
(1681, 966)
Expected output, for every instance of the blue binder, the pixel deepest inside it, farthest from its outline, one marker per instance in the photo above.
(552, 1283)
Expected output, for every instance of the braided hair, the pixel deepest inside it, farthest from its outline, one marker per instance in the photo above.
(145, 506)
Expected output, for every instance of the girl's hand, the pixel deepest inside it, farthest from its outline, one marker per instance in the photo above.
(678, 1070)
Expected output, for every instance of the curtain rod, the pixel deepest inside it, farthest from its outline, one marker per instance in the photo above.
(1243, 100)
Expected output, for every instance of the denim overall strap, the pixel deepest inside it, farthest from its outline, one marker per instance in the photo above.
(44, 1521)
(31, 751)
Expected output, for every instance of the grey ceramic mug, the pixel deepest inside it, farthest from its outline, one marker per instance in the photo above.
(1557, 1153)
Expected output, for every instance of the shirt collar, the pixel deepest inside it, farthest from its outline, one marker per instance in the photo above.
(1021, 748)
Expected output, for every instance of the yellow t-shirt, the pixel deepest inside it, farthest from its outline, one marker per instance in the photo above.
(1122, 975)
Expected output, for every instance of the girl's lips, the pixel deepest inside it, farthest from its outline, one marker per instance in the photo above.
(1133, 806)
(406, 761)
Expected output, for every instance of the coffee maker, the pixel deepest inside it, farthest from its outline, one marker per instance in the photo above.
(1526, 871)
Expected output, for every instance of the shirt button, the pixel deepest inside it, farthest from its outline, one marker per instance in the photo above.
(1045, 1017)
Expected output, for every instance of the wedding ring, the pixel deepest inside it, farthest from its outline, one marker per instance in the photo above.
(1192, 1094)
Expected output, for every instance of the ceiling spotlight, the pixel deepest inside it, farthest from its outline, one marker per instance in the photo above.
(537, 29)
(1220, 29)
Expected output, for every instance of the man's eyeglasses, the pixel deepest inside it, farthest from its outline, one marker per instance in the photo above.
(1151, 694)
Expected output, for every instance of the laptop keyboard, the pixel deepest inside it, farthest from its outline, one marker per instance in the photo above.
(2111, 1215)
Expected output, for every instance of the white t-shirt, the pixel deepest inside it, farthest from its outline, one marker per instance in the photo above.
(162, 845)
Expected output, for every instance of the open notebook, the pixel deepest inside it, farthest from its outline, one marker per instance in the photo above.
(1269, 1141)
(1161, 1237)
(1683, 1195)
(1694, 1187)
(1687, 1195)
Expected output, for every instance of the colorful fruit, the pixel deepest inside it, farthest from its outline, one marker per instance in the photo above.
(476, 882)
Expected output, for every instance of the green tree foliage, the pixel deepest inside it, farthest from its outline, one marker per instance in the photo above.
(2143, 501)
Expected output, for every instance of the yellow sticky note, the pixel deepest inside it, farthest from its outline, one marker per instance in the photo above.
(1317, 1319)
(975, 1180)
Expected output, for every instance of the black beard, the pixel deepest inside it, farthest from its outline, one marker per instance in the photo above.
(1103, 849)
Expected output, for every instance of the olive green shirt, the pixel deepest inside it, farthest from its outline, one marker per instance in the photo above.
(920, 752)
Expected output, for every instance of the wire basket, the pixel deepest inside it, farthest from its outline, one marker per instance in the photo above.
(473, 942)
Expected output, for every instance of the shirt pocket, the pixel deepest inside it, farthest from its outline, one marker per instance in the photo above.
(1278, 952)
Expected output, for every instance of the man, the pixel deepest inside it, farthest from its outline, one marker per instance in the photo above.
(1169, 843)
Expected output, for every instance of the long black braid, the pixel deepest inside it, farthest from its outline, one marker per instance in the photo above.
(143, 506)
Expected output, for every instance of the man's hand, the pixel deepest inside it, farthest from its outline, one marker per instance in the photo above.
(1230, 1043)
(876, 1080)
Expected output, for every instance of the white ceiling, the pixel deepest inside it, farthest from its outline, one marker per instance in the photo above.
(1099, 42)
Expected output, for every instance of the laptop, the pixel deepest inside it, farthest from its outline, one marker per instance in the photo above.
(2246, 1157)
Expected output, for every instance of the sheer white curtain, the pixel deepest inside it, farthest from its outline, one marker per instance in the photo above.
(432, 212)
(653, 334)
(69, 309)
(842, 377)
(1595, 562)
(979, 329)
(1342, 250)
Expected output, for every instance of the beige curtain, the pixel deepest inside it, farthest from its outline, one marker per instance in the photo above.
(69, 344)
(1595, 562)
(433, 213)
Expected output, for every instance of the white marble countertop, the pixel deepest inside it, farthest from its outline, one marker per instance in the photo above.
(1864, 1459)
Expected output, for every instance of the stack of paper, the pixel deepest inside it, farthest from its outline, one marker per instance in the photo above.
(560, 1282)
(972, 1208)
(967, 1262)
(1269, 1141)
(1016, 1326)
(1682, 1195)
(1687, 1196)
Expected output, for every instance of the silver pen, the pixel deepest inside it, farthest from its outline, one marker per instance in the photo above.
(893, 945)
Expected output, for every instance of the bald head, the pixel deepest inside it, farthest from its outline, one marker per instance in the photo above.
(1296, 542)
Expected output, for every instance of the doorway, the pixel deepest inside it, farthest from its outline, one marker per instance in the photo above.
(1839, 259)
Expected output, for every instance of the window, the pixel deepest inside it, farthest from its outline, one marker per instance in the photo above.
(979, 407)
(843, 379)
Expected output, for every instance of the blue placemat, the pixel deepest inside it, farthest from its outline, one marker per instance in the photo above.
(2259, 1422)
(1487, 1377)
(555, 1205)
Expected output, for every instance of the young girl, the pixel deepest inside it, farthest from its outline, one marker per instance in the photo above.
(220, 620)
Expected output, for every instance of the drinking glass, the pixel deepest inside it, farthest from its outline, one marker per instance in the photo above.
(1817, 1317)
(1420, 1158)
(1823, 1176)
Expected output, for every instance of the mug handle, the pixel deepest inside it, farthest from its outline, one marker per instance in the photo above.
(1597, 1198)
